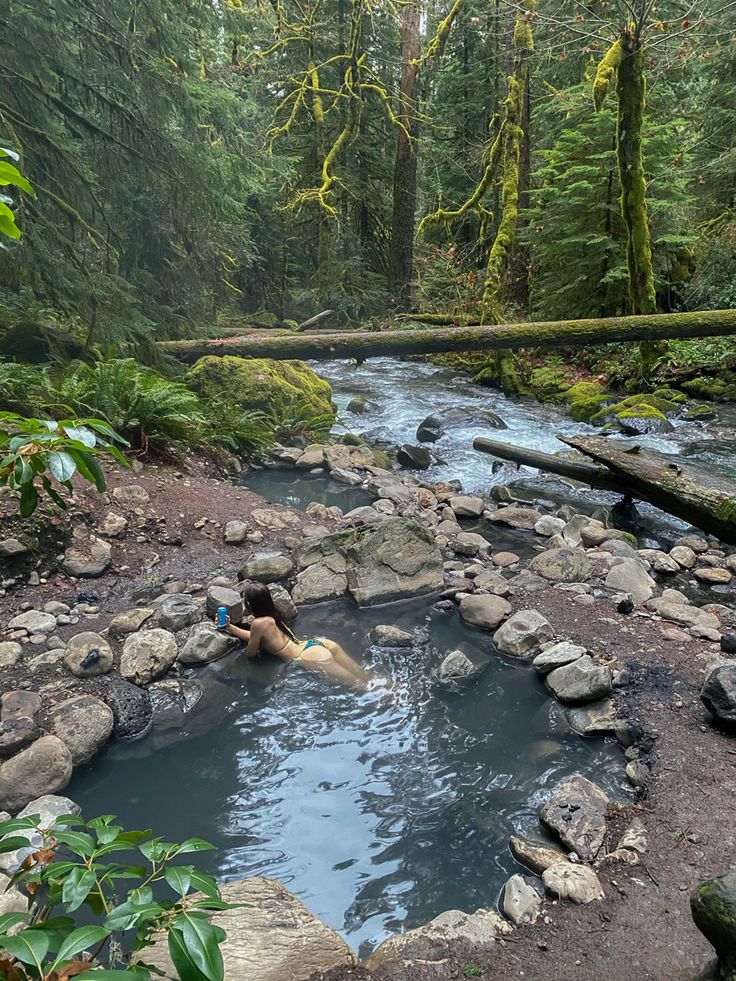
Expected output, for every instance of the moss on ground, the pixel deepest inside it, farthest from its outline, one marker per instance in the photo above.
(261, 384)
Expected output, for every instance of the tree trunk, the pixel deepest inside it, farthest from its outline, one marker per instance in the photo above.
(330, 346)
(598, 477)
(401, 249)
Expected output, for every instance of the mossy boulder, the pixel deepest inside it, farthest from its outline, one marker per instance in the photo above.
(670, 394)
(548, 383)
(260, 383)
(713, 905)
(708, 387)
(638, 415)
(702, 412)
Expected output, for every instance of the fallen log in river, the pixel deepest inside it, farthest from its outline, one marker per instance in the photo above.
(329, 346)
(703, 499)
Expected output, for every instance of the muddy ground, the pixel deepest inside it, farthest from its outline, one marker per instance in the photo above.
(642, 930)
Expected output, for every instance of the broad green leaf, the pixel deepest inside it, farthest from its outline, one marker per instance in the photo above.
(62, 465)
(29, 946)
(200, 941)
(28, 500)
(9, 920)
(186, 969)
(11, 175)
(132, 974)
(13, 844)
(82, 939)
(20, 824)
(5, 151)
(179, 878)
(194, 845)
(77, 887)
(80, 433)
(77, 841)
(205, 883)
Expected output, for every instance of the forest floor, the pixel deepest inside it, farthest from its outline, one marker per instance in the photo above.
(642, 930)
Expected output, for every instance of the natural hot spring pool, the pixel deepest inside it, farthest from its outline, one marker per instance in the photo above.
(379, 812)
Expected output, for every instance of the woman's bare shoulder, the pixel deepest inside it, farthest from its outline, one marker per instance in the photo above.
(262, 623)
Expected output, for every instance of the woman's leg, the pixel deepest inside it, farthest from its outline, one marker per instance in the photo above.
(345, 661)
(320, 658)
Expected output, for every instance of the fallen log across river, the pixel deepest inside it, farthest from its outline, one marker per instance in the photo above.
(704, 500)
(329, 346)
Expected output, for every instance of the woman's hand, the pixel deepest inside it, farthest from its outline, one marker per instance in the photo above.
(228, 628)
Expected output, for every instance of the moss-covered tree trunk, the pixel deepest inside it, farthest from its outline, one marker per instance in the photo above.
(512, 135)
(401, 252)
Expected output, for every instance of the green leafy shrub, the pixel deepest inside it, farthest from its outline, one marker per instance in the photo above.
(67, 870)
(297, 420)
(49, 453)
(10, 176)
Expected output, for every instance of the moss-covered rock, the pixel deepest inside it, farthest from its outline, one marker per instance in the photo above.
(259, 383)
(670, 394)
(713, 905)
(638, 414)
(708, 387)
(584, 409)
(702, 412)
(548, 383)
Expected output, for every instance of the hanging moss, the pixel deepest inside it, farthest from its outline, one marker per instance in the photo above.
(606, 69)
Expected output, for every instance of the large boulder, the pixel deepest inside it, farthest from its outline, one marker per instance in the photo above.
(179, 611)
(523, 634)
(582, 680)
(231, 599)
(88, 654)
(131, 709)
(520, 900)
(557, 656)
(390, 560)
(386, 635)
(484, 610)
(270, 936)
(206, 643)
(87, 559)
(435, 425)
(563, 564)
(713, 905)
(535, 856)
(84, 723)
(34, 621)
(718, 694)
(457, 666)
(267, 568)
(44, 768)
(515, 516)
(578, 883)
(147, 655)
(576, 812)
(433, 943)
(415, 457)
(630, 577)
(46, 809)
(262, 384)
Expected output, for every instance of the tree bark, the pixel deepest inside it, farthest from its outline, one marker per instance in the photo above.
(587, 473)
(330, 346)
(707, 501)
(401, 250)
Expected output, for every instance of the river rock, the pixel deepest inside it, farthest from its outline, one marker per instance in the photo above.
(235, 532)
(563, 564)
(697, 543)
(583, 680)
(432, 944)
(578, 883)
(523, 634)
(556, 656)
(718, 694)
(147, 655)
(713, 576)
(492, 582)
(415, 457)
(596, 719)
(467, 542)
(129, 621)
(179, 611)
(313, 456)
(466, 506)
(630, 577)
(84, 723)
(535, 856)
(87, 655)
(320, 582)
(520, 901)
(131, 709)
(19, 704)
(386, 635)
(660, 561)
(390, 487)
(283, 602)
(206, 643)
(267, 568)
(87, 559)
(548, 526)
(10, 653)
(46, 809)
(15, 735)
(457, 666)
(113, 525)
(44, 768)
(430, 429)
(231, 599)
(131, 494)
(344, 476)
(11, 548)
(515, 516)
(483, 610)
(34, 621)
(576, 811)
(682, 612)
(684, 556)
(270, 936)
(713, 906)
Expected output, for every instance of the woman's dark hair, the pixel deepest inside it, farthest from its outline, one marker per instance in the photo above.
(261, 604)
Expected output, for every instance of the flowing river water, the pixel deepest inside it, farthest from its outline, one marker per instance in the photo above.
(379, 810)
